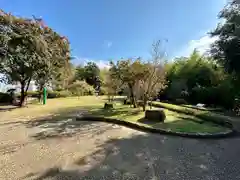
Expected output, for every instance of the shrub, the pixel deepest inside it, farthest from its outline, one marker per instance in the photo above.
(102, 91)
(180, 101)
(5, 98)
(63, 94)
(207, 116)
(51, 94)
(81, 88)
(58, 94)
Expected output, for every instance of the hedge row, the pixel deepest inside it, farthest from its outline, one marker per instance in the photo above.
(5, 98)
(207, 116)
(52, 94)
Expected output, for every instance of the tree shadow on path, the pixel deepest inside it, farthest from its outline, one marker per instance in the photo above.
(64, 125)
(146, 156)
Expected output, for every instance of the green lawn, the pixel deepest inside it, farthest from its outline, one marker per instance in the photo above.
(63, 107)
(59, 106)
(174, 121)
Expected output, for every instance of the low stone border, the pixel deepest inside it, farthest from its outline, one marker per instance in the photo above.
(229, 133)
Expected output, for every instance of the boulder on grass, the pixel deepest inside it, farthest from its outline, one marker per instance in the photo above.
(155, 115)
(127, 102)
(108, 106)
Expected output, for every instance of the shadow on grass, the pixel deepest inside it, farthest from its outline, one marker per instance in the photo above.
(120, 111)
(148, 157)
(192, 119)
(146, 121)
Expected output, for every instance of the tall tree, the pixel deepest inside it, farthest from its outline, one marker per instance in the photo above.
(128, 72)
(226, 48)
(29, 50)
(79, 74)
(153, 77)
(91, 74)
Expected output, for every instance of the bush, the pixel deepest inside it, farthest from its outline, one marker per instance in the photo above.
(58, 94)
(63, 94)
(81, 88)
(180, 101)
(103, 91)
(155, 115)
(51, 94)
(207, 116)
(5, 98)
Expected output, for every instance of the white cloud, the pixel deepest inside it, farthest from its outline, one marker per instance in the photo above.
(100, 63)
(202, 45)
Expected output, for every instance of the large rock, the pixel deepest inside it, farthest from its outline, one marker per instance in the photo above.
(155, 115)
(127, 102)
(108, 106)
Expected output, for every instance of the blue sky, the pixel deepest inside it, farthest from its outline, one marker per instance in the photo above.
(100, 30)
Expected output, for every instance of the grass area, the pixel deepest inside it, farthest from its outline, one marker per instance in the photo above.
(53, 107)
(63, 107)
(174, 121)
(202, 114)
(203, 108)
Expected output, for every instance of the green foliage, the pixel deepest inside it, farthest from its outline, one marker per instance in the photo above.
(207, 116)
(198, 79)
(81, 88)
(80, 75)
(180, 101)
(5, 98)
(195, 70)
(30, 50)
(128, 73)
(91, 73)
(103, 91)
(58, 94)
(226, 49)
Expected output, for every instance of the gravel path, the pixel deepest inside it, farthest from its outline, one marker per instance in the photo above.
(89, 150)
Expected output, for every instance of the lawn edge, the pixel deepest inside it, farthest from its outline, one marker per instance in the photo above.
(211, 117)
(139, 127)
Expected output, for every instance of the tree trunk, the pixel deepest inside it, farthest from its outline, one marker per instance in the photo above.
(144, 102)
(23, 91)
(151, 104)
(132, 98)
(40, 93)
(22, 98)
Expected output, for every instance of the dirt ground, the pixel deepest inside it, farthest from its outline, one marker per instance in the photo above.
(66, 149)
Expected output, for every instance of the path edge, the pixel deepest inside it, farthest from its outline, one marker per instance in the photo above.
(135, 126)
